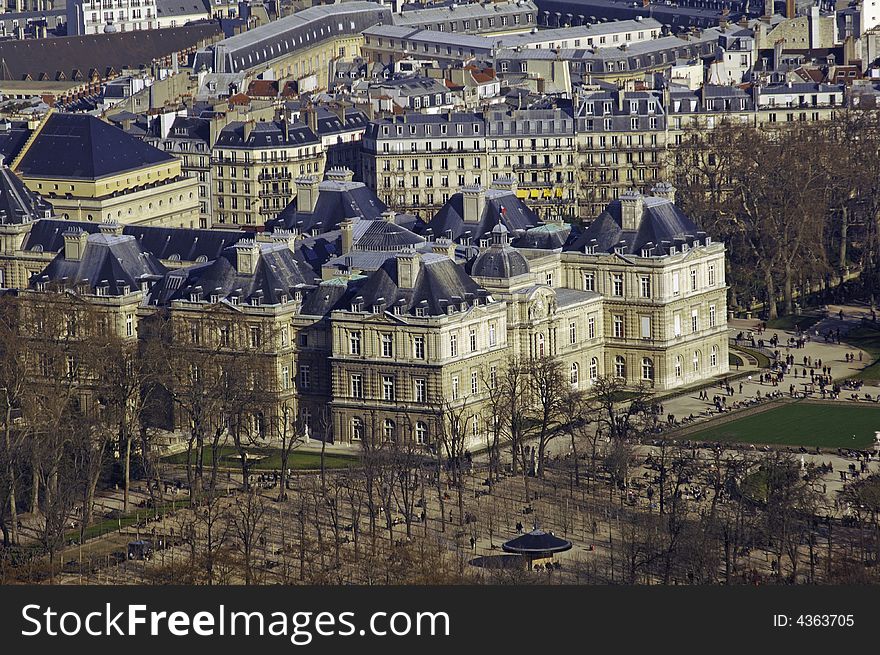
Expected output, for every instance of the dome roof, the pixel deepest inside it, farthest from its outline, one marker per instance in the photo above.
(500, 262)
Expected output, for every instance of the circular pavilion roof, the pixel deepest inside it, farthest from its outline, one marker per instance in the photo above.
(536, 542)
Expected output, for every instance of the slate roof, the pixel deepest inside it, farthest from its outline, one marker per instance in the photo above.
(166, 8)
(329, 122)
(662, 224)
(545, 237)
(79, 146)
(108, 259)
(99, 52)
(337, 201)
(383, 235)
(516, 216)
(17, 203)
(440, 282)
(265, 134)
(279, 271)
(499, 261)
(188, 244)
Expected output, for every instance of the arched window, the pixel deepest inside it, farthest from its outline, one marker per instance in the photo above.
(647, 368)
(357, 429)
(696, 361)
(421, 433)
(388, 430)
(575, 374)
(713, 357)
(540, 345)
(620, 367)
(679, 364)
(594, 369)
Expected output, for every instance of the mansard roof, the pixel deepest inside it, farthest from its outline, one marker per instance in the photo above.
(501, 205)
(338, 200)
(112, 261)
(17, 203)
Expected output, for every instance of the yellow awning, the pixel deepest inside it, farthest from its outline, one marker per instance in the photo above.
(558, 193)
(548, 193)
(536, 193)
(522, 193)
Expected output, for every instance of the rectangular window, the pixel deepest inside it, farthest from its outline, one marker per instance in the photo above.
(675, 284)
(472, 338)
(285, 377)
(591, 327)
(420, 390)
(357, 385)
(387, 387)
(645, 286)
(475, 383)
(695, 321)
(589, 281)
(305, 376)
(455, 387)
(572, 332)
(693, 279)
(617, 284)
(493, 338)
(618, 326)
(419, 347)
(387, 345)
(676, 325)
(711, 315)
(256, 337)
(354, 343)
(453, 345)
(646, 327)
(493, 377)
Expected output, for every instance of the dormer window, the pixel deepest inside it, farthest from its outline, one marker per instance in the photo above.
(420, 311)
(234, 300)
(356, 306)
(215, 299)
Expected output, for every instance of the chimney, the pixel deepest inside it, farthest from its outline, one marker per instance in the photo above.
(473, 202)
(247, 254)
(248, 128)
(631, 209)
(664, 190)
(340, 174)
(504, 183)
(75, 241)
(790, 10)
(280, 235)
(306, 194)
(285, 129)
(408, 265)
(444, 246)
(311, 115)
(389, 215)
(347, 229)
(110, 227)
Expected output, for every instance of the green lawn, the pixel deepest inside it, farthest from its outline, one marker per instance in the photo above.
(867, 339)
(801, 424)
(793, 322)
(271, 459)
(735, 360)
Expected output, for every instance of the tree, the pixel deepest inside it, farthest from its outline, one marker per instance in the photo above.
(248, 528)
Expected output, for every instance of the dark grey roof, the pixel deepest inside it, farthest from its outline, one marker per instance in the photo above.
(499, 261)
(17, 203)
(188, 127)
(662, 225)
(278, 271)
(383, 235)
(440, 283)
(168, 243)
(12, 138)
(166, 8)
(100, 52)
(330, 122)
(545, 237)
(500, 206)
(536, 542)
(266, 134)
(79, 146)
(337, 201)
(110, 260)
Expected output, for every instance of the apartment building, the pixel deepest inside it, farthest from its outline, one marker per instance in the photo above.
(254, 166)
